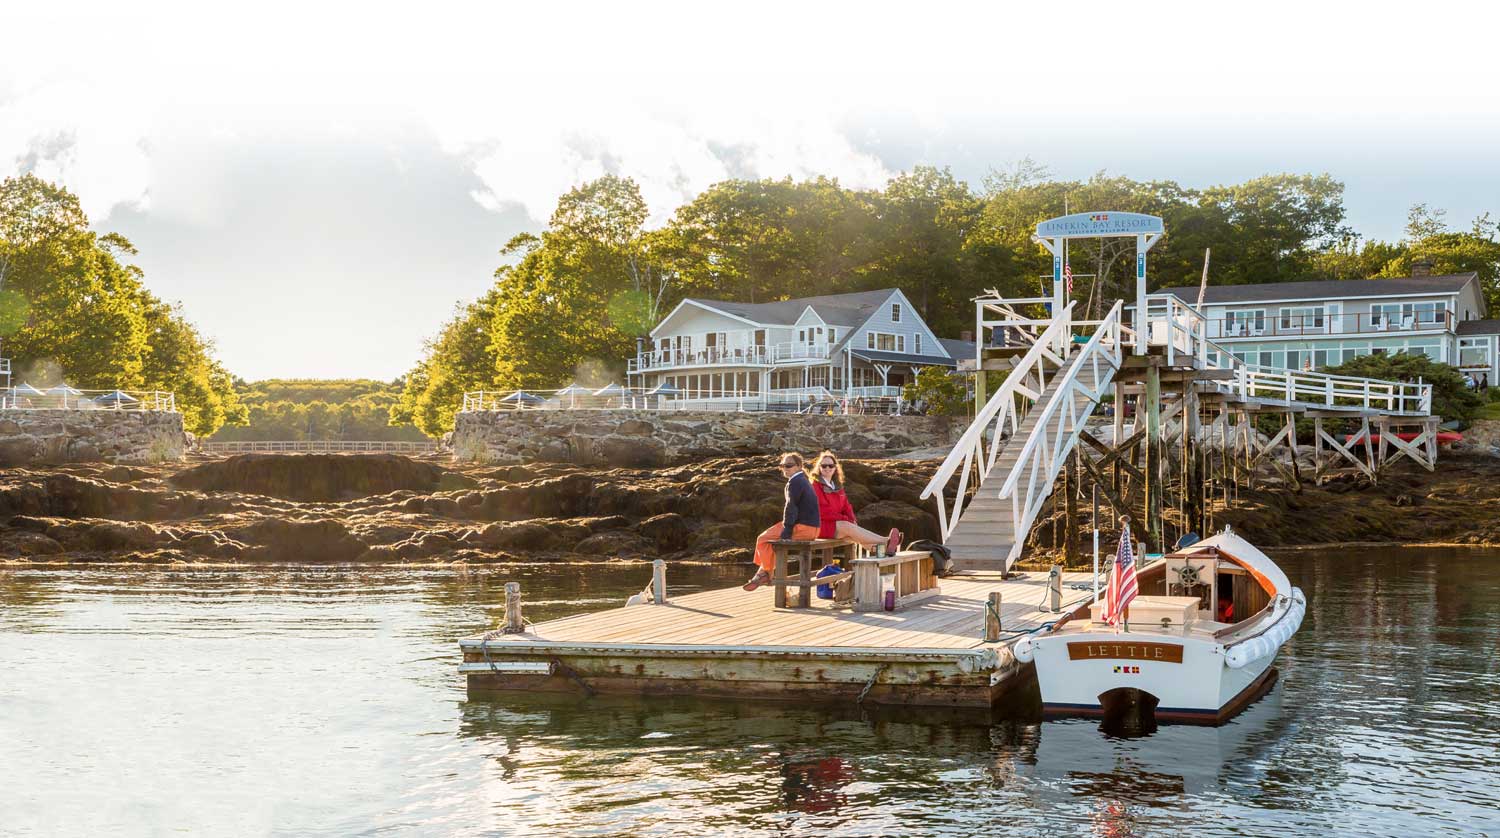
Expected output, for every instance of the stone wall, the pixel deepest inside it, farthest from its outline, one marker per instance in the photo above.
(648, 438)
(112, 436)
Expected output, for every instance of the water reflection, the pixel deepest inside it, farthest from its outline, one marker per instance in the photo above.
(299, 700)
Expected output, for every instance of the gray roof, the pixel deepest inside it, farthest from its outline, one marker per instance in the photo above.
(1479, 327)
(1325, 288)
(836, 309)
(882, 357)
(958, 348)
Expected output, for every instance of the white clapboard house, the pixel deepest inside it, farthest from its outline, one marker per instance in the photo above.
(1319, 324)
(857, 349)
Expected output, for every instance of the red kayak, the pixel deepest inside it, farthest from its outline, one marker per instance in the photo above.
(1443, 437)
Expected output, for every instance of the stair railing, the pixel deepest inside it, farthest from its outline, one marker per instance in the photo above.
(974, 455)
(1059, 424)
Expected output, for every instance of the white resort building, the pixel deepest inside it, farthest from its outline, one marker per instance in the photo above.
(1319, 324)
(862, 347)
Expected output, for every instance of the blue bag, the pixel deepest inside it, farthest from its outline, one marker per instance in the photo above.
(826, 591)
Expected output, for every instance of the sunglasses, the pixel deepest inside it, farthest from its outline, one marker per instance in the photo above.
(828, 465)
(788, 465)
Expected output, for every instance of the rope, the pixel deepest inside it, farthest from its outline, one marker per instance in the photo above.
(871, 683)
(572, 674)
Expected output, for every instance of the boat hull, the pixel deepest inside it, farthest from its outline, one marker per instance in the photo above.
(1078, 674)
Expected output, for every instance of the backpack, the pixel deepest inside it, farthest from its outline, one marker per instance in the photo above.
(942, 560)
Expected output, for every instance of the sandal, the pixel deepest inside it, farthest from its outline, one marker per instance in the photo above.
(760, 578)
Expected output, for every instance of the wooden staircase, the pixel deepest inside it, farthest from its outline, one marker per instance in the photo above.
(985, 533)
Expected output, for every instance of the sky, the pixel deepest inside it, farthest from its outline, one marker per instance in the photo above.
(321, 184)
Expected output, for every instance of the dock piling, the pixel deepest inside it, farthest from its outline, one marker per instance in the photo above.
(513, 622)
(992, 618)
(659, 582)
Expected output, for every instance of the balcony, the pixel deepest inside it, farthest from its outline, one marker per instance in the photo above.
(737, 356)
(1334, 325)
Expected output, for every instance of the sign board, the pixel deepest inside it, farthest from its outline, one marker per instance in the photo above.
(1092, 224)
(1131, 651)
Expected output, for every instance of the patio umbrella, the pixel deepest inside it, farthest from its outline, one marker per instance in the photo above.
(666, 388)
(28, 390)
(115, 399)
(611, 390)
(521, 397)
(65, 392)
(573, 391)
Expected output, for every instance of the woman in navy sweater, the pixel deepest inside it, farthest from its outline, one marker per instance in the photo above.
(799, 519)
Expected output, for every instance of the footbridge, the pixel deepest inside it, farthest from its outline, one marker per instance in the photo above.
(1194, 408)
(317, 446)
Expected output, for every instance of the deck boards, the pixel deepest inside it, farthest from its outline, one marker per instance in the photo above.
(732, 617)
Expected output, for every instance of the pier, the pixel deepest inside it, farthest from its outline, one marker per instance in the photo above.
(731, 643)
(1196, 437)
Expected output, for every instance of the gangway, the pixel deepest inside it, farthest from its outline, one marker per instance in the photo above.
(992, 486)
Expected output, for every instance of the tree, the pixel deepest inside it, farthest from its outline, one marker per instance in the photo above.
(943, 392)
(461, 358)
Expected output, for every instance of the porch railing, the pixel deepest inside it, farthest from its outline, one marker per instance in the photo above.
(1317, 325)
(800, 399)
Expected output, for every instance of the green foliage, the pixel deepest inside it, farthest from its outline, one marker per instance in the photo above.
(942, 391)
(1451, 397)
(319, 409)
(1427, 237)
(73, 309)
(459, 359)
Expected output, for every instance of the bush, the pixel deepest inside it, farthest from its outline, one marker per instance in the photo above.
(1451, 396)
(942, 392)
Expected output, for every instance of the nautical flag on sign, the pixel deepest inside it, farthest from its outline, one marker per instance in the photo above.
(1122, 587)
(1068, 277)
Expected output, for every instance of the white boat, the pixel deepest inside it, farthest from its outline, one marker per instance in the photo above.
(1197, 643)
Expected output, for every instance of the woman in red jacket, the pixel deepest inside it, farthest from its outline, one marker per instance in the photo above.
(836, 516)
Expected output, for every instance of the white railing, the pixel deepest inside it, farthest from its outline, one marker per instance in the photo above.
(67, 398)
(974, 455)
(331, 446)
(753, 356)
(799, 399)
(795, 351)
(876, 392)
(1058, 426)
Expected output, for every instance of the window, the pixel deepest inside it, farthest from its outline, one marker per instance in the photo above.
(802, 336)
(760, 337)
(1474, 352)
(1242, 323)
(1301, 319)
(1406, 315)
(916, 344)
(832, 335)
(885, 342)
(895, 312)
(869, 340)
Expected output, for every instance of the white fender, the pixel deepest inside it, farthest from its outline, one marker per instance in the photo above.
(1288, 618)
(1023, 650)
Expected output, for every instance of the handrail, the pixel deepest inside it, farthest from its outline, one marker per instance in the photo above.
(969, 452)
(1063, 437)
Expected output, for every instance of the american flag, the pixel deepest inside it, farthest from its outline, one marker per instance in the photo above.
(1122, 587)
(1068, 277)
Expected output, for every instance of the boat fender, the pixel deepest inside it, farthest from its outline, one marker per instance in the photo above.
(1288, 618)
(1023, 650)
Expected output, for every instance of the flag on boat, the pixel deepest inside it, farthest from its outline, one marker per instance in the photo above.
(1068, 277)
(1122, 587)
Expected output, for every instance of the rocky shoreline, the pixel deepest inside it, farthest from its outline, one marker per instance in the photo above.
(337, 509)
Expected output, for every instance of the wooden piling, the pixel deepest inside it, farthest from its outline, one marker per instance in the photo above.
(992, 618)
(1153, 455)
(513, 622)
(659, 582)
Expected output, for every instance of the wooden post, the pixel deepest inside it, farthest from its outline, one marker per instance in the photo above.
(992, 618)
(1054, 589)
(1070, 508)
(1119, 438)
(1153, 454)
(513, 622)
(659, 582)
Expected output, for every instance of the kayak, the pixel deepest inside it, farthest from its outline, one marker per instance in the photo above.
(1443, 437)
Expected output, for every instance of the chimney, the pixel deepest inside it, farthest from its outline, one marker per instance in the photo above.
(966, 336)
(1421, 266)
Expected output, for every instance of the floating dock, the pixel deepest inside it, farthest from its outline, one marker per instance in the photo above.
(731, 643)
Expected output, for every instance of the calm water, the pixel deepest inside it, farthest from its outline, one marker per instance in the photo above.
(297, 701)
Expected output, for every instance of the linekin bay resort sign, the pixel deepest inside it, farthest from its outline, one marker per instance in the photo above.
(1087, 224)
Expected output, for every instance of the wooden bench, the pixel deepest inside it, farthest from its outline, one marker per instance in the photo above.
(810, 556)
(914, 578)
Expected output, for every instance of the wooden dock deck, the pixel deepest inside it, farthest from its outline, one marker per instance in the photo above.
(733, 643)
